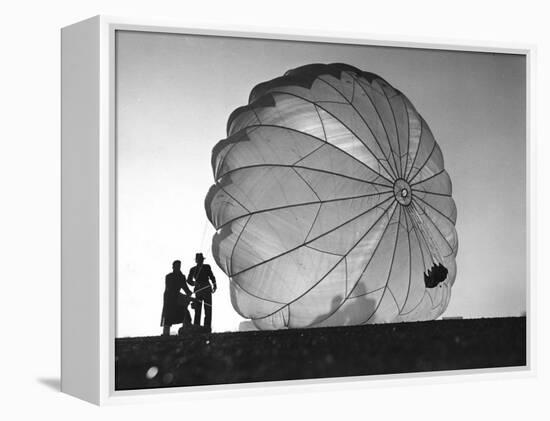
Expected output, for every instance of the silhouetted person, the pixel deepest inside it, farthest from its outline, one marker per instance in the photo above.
(200, 277)
(174, 310)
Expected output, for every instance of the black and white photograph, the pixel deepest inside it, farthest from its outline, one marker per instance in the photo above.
(267, 211)
(291, 210)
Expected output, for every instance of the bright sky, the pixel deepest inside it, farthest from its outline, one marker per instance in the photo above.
(175, 93)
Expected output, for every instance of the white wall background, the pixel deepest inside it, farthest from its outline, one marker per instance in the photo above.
(29, 211)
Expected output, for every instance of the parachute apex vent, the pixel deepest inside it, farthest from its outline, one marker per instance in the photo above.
(402, 192)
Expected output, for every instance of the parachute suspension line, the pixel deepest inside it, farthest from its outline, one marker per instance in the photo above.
(205, 248)
(203, 238)
(432, 247)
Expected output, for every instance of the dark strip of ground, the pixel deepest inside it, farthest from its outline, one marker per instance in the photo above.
(243, 357)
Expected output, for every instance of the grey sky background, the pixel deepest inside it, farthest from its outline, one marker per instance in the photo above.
(175, 93)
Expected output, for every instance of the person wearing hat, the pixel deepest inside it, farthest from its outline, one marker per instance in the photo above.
(202, 278)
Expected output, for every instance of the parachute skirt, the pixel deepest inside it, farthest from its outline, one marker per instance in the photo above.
(331, 204)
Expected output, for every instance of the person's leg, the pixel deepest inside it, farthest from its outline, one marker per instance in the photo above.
(166, 330)
(198, 308)
(187, 317)
(208, 310)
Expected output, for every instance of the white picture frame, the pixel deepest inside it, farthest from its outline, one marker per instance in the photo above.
(88, 210)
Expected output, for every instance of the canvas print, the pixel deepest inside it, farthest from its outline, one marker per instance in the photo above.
(297, 210)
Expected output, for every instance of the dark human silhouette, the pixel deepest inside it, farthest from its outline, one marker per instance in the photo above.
(174, 309)
(200, 277)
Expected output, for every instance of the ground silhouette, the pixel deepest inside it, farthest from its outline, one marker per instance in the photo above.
(241, 357)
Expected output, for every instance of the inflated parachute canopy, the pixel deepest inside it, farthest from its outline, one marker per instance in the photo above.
(331, 204)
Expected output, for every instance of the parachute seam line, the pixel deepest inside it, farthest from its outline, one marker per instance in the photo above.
(323, 251)
(238, 283)
(314, 220)
(437, 228)
(440, 303)
(308, 154)
(346, 270)
(419, 244)
(390, 173)
(396, 132)
(420, 137)
(418, 239)
(256, 115)
(417, 305)
(352, 90)
(322, 122)
(254, 128)
(314, 192)
(276, 232)
(416, 230)
(381, 121)
(363, 294)
(394, 300)
(323, 142)
(432, 192)
(360, 180)
(272, 314)
(440, 299)
(423, 263)
(366, 124)
(429, 178)
(436, 210)
(303, 204)
(432, 300)
(237, 242)
(424, 164)
(366, 266)
(255, 296)
(335, 265)
(231, 196)
(419, 169)
(286, 322)
(330, 102)
(429, 237)
(379, 117)
(389, 273)
(410, 264)
(225, 157)
(316, 238)
(307, 184)
(408, 134)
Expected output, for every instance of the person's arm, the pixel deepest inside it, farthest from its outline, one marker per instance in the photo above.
(166, 283)
(213, 279)
(185, 287)
(191, 277)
